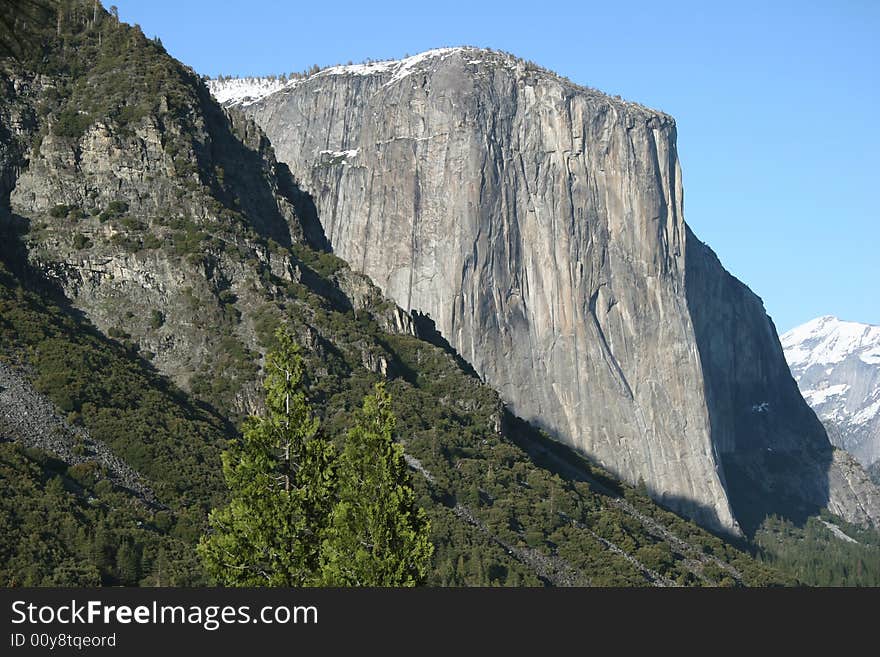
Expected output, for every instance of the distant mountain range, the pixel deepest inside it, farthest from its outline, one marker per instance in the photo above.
(837, 367)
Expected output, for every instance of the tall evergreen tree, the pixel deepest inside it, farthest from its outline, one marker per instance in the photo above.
(376, 536)
(128, 564)
(280, 475)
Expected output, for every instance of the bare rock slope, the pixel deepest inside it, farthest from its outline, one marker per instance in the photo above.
(540, 224)
(28, 417)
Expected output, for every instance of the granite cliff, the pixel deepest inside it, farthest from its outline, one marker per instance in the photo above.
(540, 225)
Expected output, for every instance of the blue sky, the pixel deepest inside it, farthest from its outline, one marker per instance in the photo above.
(776, 105)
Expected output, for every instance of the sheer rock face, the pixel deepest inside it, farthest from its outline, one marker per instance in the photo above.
(540, 225)
(775, 452)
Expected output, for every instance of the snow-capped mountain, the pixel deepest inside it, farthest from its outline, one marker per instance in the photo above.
(837, 367)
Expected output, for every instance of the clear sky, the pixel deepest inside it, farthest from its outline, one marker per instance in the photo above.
(776, 104)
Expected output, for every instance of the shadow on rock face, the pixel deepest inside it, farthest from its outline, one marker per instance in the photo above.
(426, 330)
(280, 209)
(304, 205)
(793, 485)
(773, 451)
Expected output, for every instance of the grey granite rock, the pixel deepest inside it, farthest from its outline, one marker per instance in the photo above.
(540, 225)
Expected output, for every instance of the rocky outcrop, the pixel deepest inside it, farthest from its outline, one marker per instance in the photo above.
(852, 494)
(540, 225)
(166, 230)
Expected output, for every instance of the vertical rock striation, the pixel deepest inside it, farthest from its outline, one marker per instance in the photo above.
(540, 225)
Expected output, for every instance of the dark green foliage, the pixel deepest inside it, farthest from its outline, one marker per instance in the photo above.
(376, 534)
(80, 241)
(122, 402)
(132, 224)
(71, 123)
(151, 241)
(266, 322)
(114, 210)
(66, 211)
(65, 526)
(188, 238)
(157, 318)
(117, 333)
(325, 264)
(59, 211)
(280, 479)
(224, 376)
(127, 242)
(815, 556)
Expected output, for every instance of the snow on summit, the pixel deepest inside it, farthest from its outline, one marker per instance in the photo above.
(247, 91)
(837, 367)
(828, 340)
(399, 68)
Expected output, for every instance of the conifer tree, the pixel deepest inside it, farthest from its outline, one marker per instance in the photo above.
(376, 535)
(280, 476)
(128, 564)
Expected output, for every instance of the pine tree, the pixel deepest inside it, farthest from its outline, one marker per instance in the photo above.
(128, 564)
(376, 535)
(280, 475)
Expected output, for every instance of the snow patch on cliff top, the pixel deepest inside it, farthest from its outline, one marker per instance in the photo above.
(244, 91)
(399, 68)
(247, 91)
